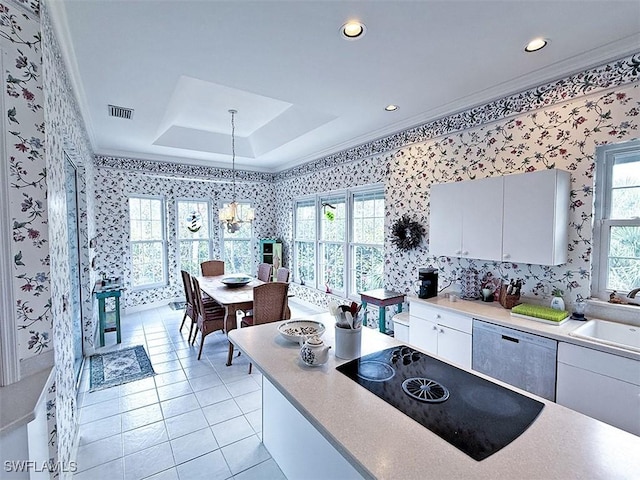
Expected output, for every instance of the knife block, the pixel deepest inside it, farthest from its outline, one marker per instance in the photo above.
(506, 300)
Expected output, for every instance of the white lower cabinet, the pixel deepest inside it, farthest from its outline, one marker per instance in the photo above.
(440, 332)
(296, 445)
(600, 385)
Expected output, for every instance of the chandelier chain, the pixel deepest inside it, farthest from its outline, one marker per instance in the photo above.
(233, 151)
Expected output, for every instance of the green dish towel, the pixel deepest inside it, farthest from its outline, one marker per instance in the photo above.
(539, 311)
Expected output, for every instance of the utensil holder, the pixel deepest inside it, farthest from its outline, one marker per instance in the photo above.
(508, 301)
(348, 343)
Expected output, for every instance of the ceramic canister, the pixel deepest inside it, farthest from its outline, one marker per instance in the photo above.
(348, 343)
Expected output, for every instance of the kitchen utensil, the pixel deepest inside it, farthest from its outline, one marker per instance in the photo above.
(348, 342)
(349, 318)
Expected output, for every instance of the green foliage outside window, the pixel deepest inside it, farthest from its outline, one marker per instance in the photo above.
(624, 240)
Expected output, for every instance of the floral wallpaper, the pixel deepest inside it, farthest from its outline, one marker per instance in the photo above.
(562, 136)
(553, 126)
(625, 70)
(115, 185)
(65, 135)
(25, 159)
(560, 128)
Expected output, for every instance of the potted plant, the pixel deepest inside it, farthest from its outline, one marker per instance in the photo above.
(557, 302)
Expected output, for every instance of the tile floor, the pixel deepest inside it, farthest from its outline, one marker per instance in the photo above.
(193, 419)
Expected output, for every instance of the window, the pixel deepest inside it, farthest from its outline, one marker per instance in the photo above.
(194, 242)
(304, 242)
(617, 219)
(367, 244)
(148, 245)
(236, 247)
(332, 244)
(339, 241)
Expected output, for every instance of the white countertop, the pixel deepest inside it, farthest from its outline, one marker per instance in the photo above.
(381, 442)
(18, 401)
(494, 312)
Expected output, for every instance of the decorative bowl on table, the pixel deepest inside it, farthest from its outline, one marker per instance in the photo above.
(234, 281)
(293, 330)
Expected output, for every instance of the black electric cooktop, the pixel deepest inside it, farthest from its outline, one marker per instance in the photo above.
(473, 414)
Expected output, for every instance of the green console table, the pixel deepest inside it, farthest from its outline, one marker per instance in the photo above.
(102, 292)
(381, 298)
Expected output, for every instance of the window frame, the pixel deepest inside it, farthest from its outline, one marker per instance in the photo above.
(348, 244)
(163, 242)
(222, 229)
(351, 243)
(336, 196)
(306, 200)
(606, 156)
(209, 239)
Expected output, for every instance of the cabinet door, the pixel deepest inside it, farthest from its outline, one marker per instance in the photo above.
(445, 221)
(482, 219)
(536, 212)
(423, 335)
(601, 385)
(454, 346)
(607, 399)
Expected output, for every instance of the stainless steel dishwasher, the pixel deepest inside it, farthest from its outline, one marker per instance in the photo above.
(518, 358)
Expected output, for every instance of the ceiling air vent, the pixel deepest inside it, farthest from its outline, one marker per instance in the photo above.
(120, 112)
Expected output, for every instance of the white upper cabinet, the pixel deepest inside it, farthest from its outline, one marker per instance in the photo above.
(466, 219)
(445, 224)
(522, 218)
(482, 219)
(536, 217)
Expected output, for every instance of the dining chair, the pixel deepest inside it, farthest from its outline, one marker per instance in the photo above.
(211, 316)
(270, 304)
(265, 272)
(282, 275)
(211, 268)
(189, 310)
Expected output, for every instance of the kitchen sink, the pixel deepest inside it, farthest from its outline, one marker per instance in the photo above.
(610, 333)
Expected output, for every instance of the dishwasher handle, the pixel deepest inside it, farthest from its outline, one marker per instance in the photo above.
(511, 339)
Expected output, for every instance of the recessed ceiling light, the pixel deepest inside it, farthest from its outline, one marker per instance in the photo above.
(391, 108)
(353, 30)
(535, 45)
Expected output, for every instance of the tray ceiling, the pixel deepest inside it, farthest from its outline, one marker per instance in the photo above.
(301, 90)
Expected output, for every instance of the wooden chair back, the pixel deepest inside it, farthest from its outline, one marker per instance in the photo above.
(282, 275)
(188, 294)
(189, 308)
(211, 268)
(264, 272)
(270, 302)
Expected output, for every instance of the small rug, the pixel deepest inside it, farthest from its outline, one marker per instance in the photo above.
(177, 305)
(118, 367)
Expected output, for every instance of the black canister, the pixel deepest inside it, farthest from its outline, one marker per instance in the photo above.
(427, 284)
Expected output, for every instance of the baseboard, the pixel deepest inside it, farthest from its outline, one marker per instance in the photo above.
(149, 306)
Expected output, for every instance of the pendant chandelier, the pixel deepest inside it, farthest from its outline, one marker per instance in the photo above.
(230, 215)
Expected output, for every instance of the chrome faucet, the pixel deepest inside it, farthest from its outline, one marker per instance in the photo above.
(632, 293)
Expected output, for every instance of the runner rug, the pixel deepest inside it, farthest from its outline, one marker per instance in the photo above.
(118, 367)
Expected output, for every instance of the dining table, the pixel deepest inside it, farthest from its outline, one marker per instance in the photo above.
(233, 298)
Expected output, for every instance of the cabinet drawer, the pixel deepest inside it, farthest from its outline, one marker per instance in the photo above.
(622, 368)
(441, 317)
